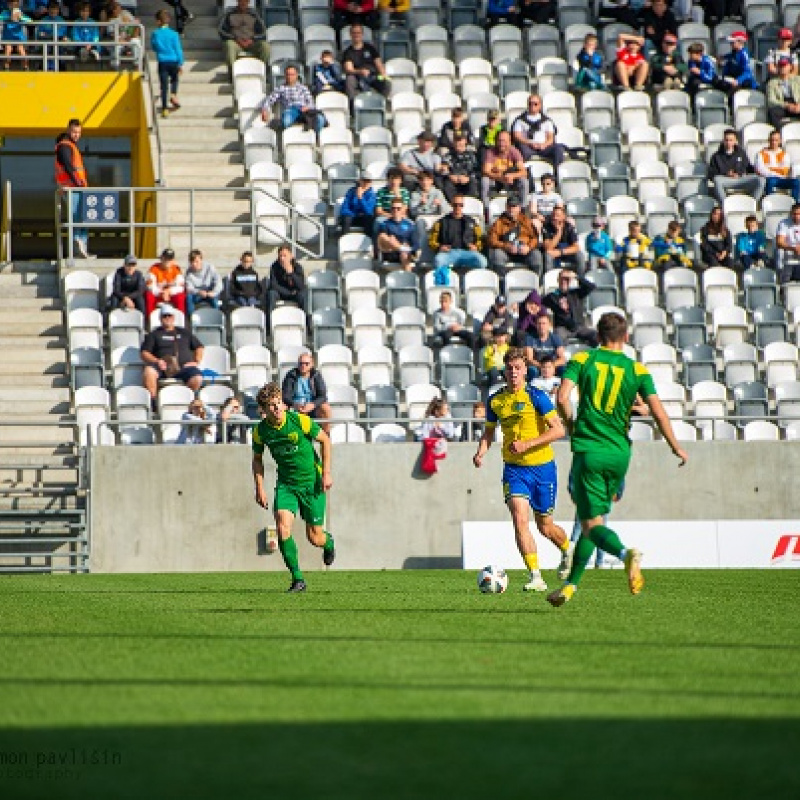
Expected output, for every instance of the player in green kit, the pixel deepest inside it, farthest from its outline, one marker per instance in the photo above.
(608, 383)
(302, 478)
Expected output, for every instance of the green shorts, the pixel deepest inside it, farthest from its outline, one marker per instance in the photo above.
(596, 478)
(309, 501)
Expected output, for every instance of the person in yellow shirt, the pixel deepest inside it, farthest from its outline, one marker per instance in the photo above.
(493, 355)
(530, 423)
(635, 248)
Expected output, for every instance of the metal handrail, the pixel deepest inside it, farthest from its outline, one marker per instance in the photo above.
(152, 123)
(5, 228)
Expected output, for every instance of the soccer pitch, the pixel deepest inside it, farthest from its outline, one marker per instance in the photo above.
(399, 685)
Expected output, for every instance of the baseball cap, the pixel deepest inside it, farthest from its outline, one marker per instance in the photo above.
(670, 38)
(785, 33)
(500, 300)
(166, 311)
(167, 252)
(131, 260)
(738, 36)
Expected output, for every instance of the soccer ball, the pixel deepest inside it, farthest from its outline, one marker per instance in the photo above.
(492, 580)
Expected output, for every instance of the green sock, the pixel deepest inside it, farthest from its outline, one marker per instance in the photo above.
(288, 549)
(580, 558)
(607, 540)
(328, 546)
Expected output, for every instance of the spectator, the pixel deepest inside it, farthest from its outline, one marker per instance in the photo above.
(363, 67)
(394, 190)
(730, 169)
(354, 12)
(513, 241)
(657, 22)
(775, 164)
(166, 44)
(165, 284)
(244, 284)
(35, 9)
(751, 245)
(543, 342)
(670, 248)
(437, 423)
(787, 247)
(243, 33)
(448, 322)
(203, 284)
(398, 238)
(182, 14)
(717, 10)
(783, 50)
(737, 66)
(287, 281)
(52, 31)
(327, 75)
(304, 390)
(295, 102)
(427, 200)
(487, 135)
(122, 27)
(590, 65)
(504, 170)
(783, 94)
(498, 317)
(700, 71)
(561, 248)
(475, 429)
(232, 423)
(526, 322)
(715, 240)
(128, 287)
(547, 379)
(460, 170)
(538, 12)
(421, 159)
(599, 245)
(15, 33)
(534, 134)
(198, 433)
(456, 242)
(87, 33)
(565, 302)
(457, 126)
(542, 204)
(631, 66)
(71, 173)
(499, 11)
(621, 11)
(171, 352)
(493, 355)
(396, 12)
(669, 68)
(358, 208)
(634, 250)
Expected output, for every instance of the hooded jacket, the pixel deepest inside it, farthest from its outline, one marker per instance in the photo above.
(319, 392)
(723, 162)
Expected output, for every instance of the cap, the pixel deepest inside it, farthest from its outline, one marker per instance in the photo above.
(738, 36)
(426, 136)
(168, 252)
(500, 300)
(670, 38)
(131, 260)
(784, 60)
(598, 222)
(166, 311)
(501, 331)
(785, 33)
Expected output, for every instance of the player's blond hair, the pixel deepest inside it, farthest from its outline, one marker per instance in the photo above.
(268, 392)
(514, 354)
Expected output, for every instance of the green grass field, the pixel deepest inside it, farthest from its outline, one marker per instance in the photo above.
(398, 685)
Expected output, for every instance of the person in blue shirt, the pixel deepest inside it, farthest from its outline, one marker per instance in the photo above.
(358, 208)
(737, 66)
(52, 31)
(86, 32)
(502, 11)
(701, 70)
(326, 75)
(599, 246)
(590, 63)
(751, 245)
(35, 9)
(166, 44)
(13, 30)
(398, 239)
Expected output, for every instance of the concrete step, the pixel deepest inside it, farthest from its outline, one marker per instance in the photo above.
(29, 304)
(42, 436)
(19, 291)
(199, 91)
(31, 326)
(41, 408)
(214, 113)
(211, 161)
(41, 381)
(28, 361)
(24, 395)
(29, 278)
(232, 178)
(215, 139)
(40, 342)
(29, 267)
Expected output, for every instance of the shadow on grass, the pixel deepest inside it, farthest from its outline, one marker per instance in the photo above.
(575, 758)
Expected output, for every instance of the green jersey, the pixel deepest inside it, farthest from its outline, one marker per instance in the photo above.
(291, 446)
(608, 382)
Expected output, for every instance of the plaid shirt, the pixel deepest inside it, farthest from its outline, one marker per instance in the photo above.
(290, 96)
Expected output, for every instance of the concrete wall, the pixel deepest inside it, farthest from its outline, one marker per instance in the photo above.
(167, 509)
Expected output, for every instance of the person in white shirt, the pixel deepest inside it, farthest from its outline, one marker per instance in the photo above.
(542, 204)
(534, 134)
(787, 246)
(547, 381)
(775, 164)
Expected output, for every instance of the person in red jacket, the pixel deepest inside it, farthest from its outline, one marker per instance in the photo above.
(348, 12)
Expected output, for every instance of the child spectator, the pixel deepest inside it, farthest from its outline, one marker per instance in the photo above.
(86, 32)
(449, 322)
(631, 65)
(599, 245)
(166, 44)
(476, 428)
(737, 66)
(393, 190)
(457, 126)
(35, 9)
(358, 208)
(542, 204)
(203, 284)
(327, 75)
(493, 355)
(52, 31)
(751, 245)
(715, 240)
(670, 248)
(437, 423)
(197, 433)
(783, 50)
(590, 63)
(15, 33)
(244, 285)
(633, 251)
(487, 135)
(700, 70)
(498, 316)
(547, 381)
(669, 68)
(541, 342)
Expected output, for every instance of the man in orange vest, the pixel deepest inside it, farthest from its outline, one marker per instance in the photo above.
(70, 172)
(775, 164)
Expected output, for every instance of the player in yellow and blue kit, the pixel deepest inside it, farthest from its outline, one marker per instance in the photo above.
(529, 423)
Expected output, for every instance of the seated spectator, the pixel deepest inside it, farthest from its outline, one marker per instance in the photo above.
(783, 95)
(460, 171)
(165, 284)
(670, 248)
(171, 352)
(304, 390)
(561, 248)
(657, 22)
(542, 204)
(437, 423)
(543, 342)
(700, 71)
(354, 12)
(751, 245)
(326, 75)
(730, 170)
(393, 190)
(87, 33)
(537, 12)
(52, 31)
(295, 102)
(775, 164)
(473, 432)
(631, 68)
(715, 240)
(534, 134)
(737, 66)
(783, 50)
(504, 170)
(715, 11)
(358, 208)
(35, 9)
(14, 32)
(198, 433)
(449, 323)
(128, 287)
(787, 247)
(513, 241)
(233, 424)
(422, 158)
(398, 239)
(122, 27)
(396, 12)
(487, 135)
(499, 11)
(456, 241)
(565, 303)
(621, 10)
(498, 317)
(493, 355)
(363, 68)
(599, 246)
(243, 33)
(526, 321)
(244, 284)
(456, 126)
(427, 200)
(166, 44)
(547, 380)
(590, 65)
(634, 250)
(203, 284)
(287, 281)
(669, 70)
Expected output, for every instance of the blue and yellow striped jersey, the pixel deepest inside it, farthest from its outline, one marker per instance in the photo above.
(522, 415)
